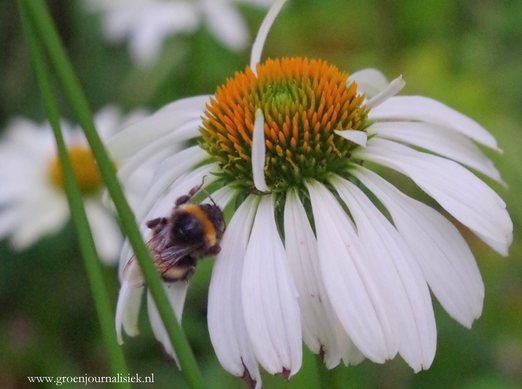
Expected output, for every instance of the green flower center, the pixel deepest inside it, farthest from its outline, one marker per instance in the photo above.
(303, 103)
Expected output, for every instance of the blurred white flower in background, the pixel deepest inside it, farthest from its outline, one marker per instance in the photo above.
(33, 202)
(146, 23)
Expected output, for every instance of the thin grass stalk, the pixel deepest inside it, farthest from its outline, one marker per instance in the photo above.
(78, 215)
(43, 23)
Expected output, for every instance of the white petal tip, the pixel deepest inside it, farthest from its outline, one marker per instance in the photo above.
(358, 137)
(393, 88)
(258, 152)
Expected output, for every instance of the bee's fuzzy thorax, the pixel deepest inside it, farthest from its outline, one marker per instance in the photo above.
(200, 214)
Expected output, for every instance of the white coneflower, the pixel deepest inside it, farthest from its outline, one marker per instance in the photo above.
(147, 23)
(307, 255)
(33, 202)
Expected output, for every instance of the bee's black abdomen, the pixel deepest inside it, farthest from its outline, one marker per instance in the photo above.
(187, 229)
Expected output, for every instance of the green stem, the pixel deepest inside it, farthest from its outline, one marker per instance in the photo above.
(78, 103)
(79, 217)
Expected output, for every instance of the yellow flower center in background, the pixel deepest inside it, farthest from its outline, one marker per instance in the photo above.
(303, 103)
(84, 168)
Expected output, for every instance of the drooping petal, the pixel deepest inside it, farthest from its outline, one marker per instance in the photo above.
(322, 331)
(407, 294)
(172, 141)
(424, 109)
(369, 81)
(128, 308)
(105, 231)
(258, 152)
(226, 321)
(455, 188)
(391, 90)
(169, 118)
(163, 207)
(270, 298)
(348, 280)
(440, 140)
(167, 173)
(442, 254)
(257, 47)
(176, 293)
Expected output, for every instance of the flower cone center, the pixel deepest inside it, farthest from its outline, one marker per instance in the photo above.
(303, 103)
(85, 170)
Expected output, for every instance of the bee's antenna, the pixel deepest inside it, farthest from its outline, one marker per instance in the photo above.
(210, 197)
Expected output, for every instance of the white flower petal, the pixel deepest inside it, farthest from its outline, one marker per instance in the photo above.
(440, 140)
(357, 137)
(499, 247)
(348, 280)
(105, 231)
(369, 81)
(169, 118)
(222, 197)
(10, 216)
(456, 189)
(173, 140)
(226, 322)
(181, 187)
(270, 298)
(45, 215)
(442, 254)
(126, 254)
(391, 90)
(176, 293)
(168, 172)
(258, 152)
(424, 109)
(257, 47)
(128, 308)
(401, 280)
(107, 121)
(322, 331)
(226, 24)
(149, 24)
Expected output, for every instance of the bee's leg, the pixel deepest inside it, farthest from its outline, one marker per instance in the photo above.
(214, 249)
(183, 199)
(189, 273)
(160, 221)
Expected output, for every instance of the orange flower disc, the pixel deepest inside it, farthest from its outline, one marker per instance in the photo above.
(303, 102)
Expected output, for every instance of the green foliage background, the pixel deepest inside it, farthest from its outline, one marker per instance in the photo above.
(466, 54)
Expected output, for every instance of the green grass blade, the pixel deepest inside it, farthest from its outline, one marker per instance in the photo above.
(47, 32)
(79, 217)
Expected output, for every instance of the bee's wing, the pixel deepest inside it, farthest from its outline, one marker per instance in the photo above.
(170, 256)
(132, 272)
(164, 257)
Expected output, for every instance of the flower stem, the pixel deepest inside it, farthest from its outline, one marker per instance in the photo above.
(79, 217)
(47, 32)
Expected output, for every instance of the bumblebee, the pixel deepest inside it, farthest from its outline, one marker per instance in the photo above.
(191, 232)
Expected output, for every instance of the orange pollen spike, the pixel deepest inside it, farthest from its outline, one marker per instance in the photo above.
(302, 101)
